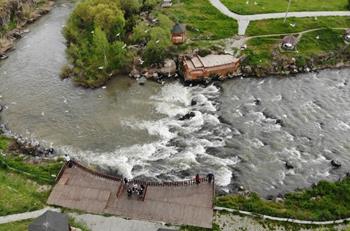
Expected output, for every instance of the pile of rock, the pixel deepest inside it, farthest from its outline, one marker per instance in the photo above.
(166, 71)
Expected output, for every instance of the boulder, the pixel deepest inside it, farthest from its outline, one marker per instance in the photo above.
(335, 163)
(188, 116)
(168, 68)
(288, 165)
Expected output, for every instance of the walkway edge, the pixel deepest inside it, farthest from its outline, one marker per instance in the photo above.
(26, 216)
(281, 219)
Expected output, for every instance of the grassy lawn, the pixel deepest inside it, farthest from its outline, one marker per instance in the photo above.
(202, 19)
(325, 201)
(293, 25)
(259, 50)
(311, 44)
(269, 6)
(16, 226)
(328, 41)
(20, 188)
(18, 194)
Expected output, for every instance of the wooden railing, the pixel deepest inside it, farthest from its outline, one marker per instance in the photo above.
(139, 182)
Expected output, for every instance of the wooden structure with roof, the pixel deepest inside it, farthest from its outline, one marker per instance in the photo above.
(289, 42)
(199, 68)
(178, 33)
(347, 35)
(171, 202)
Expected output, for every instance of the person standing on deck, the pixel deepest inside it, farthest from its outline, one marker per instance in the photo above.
(198, 179)
(68, 160)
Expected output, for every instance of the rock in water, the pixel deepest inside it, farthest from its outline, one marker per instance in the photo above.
(289, 165)
(335, 163)
(188, 116)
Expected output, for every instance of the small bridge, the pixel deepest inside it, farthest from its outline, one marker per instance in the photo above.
(177, 203)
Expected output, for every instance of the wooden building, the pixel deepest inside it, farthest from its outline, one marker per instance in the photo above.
(178, 33)
(196, 68)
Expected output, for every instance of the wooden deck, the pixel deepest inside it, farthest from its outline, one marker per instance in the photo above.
(173, 202)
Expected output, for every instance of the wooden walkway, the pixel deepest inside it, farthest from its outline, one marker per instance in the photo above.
(172, 202)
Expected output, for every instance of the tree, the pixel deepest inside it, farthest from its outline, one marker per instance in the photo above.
(149, 4)
(156, 49)
(131, 6)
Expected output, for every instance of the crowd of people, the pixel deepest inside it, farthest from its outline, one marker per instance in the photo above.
(134, 189)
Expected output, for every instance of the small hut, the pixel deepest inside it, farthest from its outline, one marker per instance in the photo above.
(347, 35)
(166, 3)
(50, 221)
(289, 42)
(178, 33)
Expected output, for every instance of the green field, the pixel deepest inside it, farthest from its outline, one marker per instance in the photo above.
(18, 194)
(321, 42)
(325, 201)
(16, 226)
(202, 19)
(274, 6)
(311, 44)
(293, 25)
(23, 186)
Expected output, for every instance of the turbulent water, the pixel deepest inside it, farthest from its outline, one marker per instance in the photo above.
(243, 132)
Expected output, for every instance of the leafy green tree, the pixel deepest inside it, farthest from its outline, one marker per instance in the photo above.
(131, 6)
(141, 33)
(149, 4)
(156, 49)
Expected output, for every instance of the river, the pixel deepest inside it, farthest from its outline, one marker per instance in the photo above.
(243, 132)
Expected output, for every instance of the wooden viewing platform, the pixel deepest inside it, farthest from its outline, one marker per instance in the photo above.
(171, 202)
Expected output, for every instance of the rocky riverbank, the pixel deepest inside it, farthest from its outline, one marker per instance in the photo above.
(15, 15)
(287, 66)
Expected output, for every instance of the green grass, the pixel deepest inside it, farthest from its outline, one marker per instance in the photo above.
(18, 194)
(16, 226)
(20, 182)
(192, 228)
(273, 6)
(329, 41)
(325, 201)
(4, 142)
(44, 173)
(259, 50)
(277, 26)
(202, 19)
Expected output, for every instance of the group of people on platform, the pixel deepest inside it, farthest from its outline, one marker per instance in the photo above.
(134, 189)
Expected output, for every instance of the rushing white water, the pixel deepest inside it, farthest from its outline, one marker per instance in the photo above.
(180, 150)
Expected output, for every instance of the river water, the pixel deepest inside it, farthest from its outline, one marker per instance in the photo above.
(244, 132)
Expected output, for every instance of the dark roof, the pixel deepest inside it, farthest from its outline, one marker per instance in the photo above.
(289, 39)
(50, 221)
(179, 28)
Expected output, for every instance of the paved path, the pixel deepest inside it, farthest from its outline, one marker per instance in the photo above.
(25, 216)
(244, 20)
(101, 223)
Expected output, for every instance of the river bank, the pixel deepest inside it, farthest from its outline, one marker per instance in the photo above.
(15, 16)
